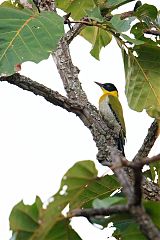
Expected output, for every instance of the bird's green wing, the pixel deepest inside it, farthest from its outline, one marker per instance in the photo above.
(118, 111)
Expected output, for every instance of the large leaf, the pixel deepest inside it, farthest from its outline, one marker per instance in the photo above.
(95, 14)
(142, 71)
(27, 36)
(80, 186)
(98, 38)
(27, 223)
(61, 230)
(77, 8)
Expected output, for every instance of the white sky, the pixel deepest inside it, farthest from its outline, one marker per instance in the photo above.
(39, 141)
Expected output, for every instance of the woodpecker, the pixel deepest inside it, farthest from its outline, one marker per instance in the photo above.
(111, 110)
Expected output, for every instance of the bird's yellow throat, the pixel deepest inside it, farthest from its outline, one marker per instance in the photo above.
(106, 93)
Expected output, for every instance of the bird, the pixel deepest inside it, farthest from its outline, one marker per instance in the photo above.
(111, 110)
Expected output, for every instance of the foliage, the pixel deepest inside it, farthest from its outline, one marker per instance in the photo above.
(79, 187)
(26, 34)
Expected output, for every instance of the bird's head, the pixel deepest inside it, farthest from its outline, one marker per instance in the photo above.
(108, 88)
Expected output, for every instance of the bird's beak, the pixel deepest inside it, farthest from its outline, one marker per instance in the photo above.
(99, 84)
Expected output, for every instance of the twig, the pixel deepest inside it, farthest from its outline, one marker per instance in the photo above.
(153, 32)
(135, 165)
(76, 29)
(91, 212)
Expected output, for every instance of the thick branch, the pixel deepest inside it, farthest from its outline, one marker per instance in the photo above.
(150, 190)
(68, 72)
(122, 176)
(41, 90)
(148, 141)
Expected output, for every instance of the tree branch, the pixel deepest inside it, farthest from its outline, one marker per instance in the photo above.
(87, 113)
(92, 212)
(122, 176)
(135, 165)
(134, 196)
(145, 222)
(104, 137)
(148, 142)
(76, 29)
(152, 32)
(68, 72)
(41, 90)
(150, 190)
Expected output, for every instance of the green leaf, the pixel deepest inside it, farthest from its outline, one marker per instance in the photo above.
(29, 222)
(121, 25)
(10, 4)
(146, 10)
(80, 186)
(62, 230)
(138, 30)
(131, 40)
(155, 171)
(153, 209)
(24, 219)
(98, 38)
(126, 228)
(77, 8)
(107, 202)
(142, 72)
(27, 36)
(95, 14)
(117, 3)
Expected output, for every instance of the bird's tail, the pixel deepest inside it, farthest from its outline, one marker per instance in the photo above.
(121, 143)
